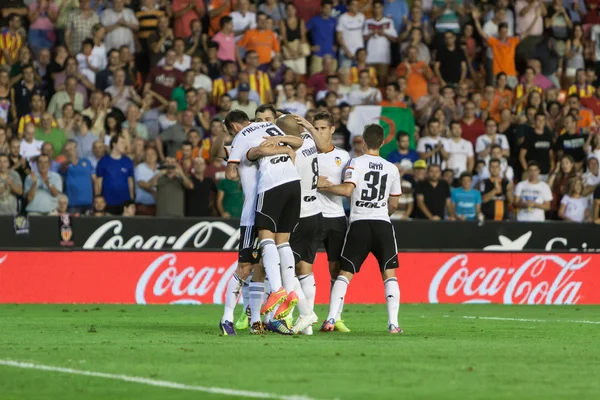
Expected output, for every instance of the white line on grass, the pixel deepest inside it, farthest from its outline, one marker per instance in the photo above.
(153, 382)
(572, 321)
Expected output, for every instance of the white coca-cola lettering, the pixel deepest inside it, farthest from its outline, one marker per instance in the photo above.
(540, 280)
(163, 279)
(200, 233)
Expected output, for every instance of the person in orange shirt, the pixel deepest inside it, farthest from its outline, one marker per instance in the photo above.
(417, 73)
(262, 40)
(216, 10)
(392, 90)
(584, 116)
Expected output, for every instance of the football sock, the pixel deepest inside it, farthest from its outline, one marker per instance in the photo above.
(271, 262)
(246, 293)
(337, 296)
(338, 315)
(303, 304)
(256, 290)
(392, 299)
(231, 297)
(307, 283)
(287, 266)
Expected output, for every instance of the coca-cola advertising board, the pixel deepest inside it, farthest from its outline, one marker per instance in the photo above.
(201, 278)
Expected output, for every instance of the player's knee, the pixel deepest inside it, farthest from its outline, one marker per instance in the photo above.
(346, 274)
(243, 270)
(303, 268)
(334, 269)
(388, 273)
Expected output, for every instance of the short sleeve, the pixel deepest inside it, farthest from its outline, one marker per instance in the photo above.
(129, 168)
(448, 194)
(339, 27)
(597, 193)
(56, 181)
(396, 187)
(239, 148)
(100, 169)
(547, 196)
(28, 184)
(518, 190)
(480, 145)
(470, 152)
(421, 146)
(565, 200)
(221, 185)
(351, 173)
(504, 142)
(478, 197)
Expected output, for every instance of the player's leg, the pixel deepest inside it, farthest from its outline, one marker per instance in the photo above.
(243, 320)
(231, 296)
(336, 237)
(257, 289)
(385, 249)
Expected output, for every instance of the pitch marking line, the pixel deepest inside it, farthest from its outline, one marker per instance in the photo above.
(153, 382)
(573, 321)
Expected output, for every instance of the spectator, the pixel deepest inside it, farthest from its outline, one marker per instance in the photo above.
(537, 146)
(226, 40)
(115, 176)
(262, 40)
(532, 196)
(295, 46)
(431, 148)
(484, 142)
(446, 15)
(179, 93)
(364, 94)
(121, 24)
(274, 10)
(18, 163)
(11, 41)
(41, 34)
(160, 40)
(182, 61)
(433, 195)
(581, 88)
(83, 84)
(48, 150)
(573, 205)
(84, 139)
(393, 97)
(123, 96)
(42, 191)
(259, 81)
(185, 12)
(67, 96)
(379, 34)
(30, 147)
(349, 33)
(571, 143)
(506, 171)
(79, 176)
(200, 199)
(11, 187)
(170, 184)
(466, 202)
(21, 93)
(291, 102)
(322, 29)
(99, 208)
(162, 80)
(243, 19)
(403, 157)
(201, 80)
(417, 73)
(397, 10)
(471, 126)
(175, 135)
(448, 177)
(80, 24)
(132, 124)
(460, 151)
(145, 194)
(591, 179)
(242, 102)
(574, 53)
(451, 64)
(49, 133)
(4, 142)
(106, 77)
(496, 193)
(129, 209)
(34, 116)
(92, 58)
(406, 203)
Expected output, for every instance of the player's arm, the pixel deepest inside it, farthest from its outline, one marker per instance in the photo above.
(261, 151)
(231, 171)
(217, 149)
(395, 192)
(393, 204)
(320, 141)
(293, 141)
(343, 189)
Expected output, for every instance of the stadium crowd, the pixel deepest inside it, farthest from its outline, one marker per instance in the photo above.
(111, 107)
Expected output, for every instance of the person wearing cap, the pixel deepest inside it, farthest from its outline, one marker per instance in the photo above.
(466, 202)
(242, 102)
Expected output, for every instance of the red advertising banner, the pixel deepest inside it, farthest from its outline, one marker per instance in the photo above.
(201, 277)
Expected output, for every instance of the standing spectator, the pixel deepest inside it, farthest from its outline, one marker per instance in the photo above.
(67, 96)
(243, 19)
(106, 77)
(364, 94)
(47, 150)
(397, 10)
(115, 176)
(42, 191)
(185, 12)
(96, 112)
(145, 194)
(162, 80)
(98, 152)
(433, 195)
(11, 187)
(30, 147)
(563, 173)
(446, 15)
(170, 184)
(34, 116)
(322, 31)
(471, 126)
(530, 18)
(175, 135)
(537, 146)
(242, 102)
(431, 148)
(273, 9)
(21, 92)
(83, 84)
(80, 26)
(201, 80)
(581, 87)
(160, 41)
(121, 25)
(132, 124)
(262, 40)
(230, 198)
(350, 33)
(226, 40)
(11, 41)
(496, 193)
(417, 73)
(460, 151)
(180, 92)
(484, 142)
(572, 142)
(225, 82)
(294, 43)
(573, 206)
(291, 103)
(403, 157)
(79, 176)
(532, 196)
(123, 96)
(591, 179)
(466, 202)
(451, 63)
(182, 62)
(379, 34)
(50, 134)
(84, 138)
(200, 199)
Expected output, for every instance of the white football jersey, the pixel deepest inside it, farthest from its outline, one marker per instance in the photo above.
(308, 168)
(374, 180)
(272, 170)
(332, 165)
(248, 172)
(426, 144)
(458, 155)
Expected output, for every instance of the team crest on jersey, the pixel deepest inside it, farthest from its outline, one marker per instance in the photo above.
(338, 161)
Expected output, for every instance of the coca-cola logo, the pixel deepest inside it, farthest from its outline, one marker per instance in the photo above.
(198, 235)
(542, 279)
(165, 282)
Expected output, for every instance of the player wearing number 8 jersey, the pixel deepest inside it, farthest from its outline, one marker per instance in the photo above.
(374, 187)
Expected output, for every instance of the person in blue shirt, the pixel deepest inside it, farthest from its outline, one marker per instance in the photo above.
(396, 10)
(322, 32)
(404, 157)
(466, 202)
(115, 177)
(79, 176)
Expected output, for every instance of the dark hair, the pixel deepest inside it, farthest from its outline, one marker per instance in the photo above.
(235, 116)
(87, 41)
(395, 85)
(491, 119)
(432, 121)
(495, 146)
(502, 25)
(26, 66)
(533, 163)
(330, 77)
(364, 71)
(213, 45)
(540, 114)
(326, 2)
(264, 108)
(454, 122)
(128, 203)
(499, 75)
(282, 111)
(224, 20)
(118, 126)
(87, 121)
(400, 135)
(494, 160)
(186, 143)
(190, 90)
(465, 175)
(114, 140)
(324, 116)
(373, 136)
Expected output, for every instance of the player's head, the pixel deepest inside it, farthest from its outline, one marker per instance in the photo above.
(288, 124)
(373, 137)
(235, 121)
(265, 113)
(324, 123)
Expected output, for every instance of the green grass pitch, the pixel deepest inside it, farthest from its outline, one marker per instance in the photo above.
(529, 352)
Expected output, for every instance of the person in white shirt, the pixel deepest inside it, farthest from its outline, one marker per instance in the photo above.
(365, 94)
(243, 19)
(30, 146)
(350, 33)
(532, 196)
(292, 104)
(591, 179)
(506, 171)
(120, 23)
(379, 33)
(574, 207)
(483, 144)
(461, 157)
(183, 62)
(432, 148)
(201, 81)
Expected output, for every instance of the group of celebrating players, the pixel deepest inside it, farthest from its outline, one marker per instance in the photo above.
(294, 181)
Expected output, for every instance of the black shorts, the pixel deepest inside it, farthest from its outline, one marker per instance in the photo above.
(369, 236)
(306, 239)
(334, 231)
(278, 209)
(248, 252)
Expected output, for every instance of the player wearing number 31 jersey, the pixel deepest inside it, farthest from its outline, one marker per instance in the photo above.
(373, 184)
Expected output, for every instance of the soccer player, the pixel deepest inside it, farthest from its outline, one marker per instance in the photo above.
(374, 187)
(278, 200)
(331, 162)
